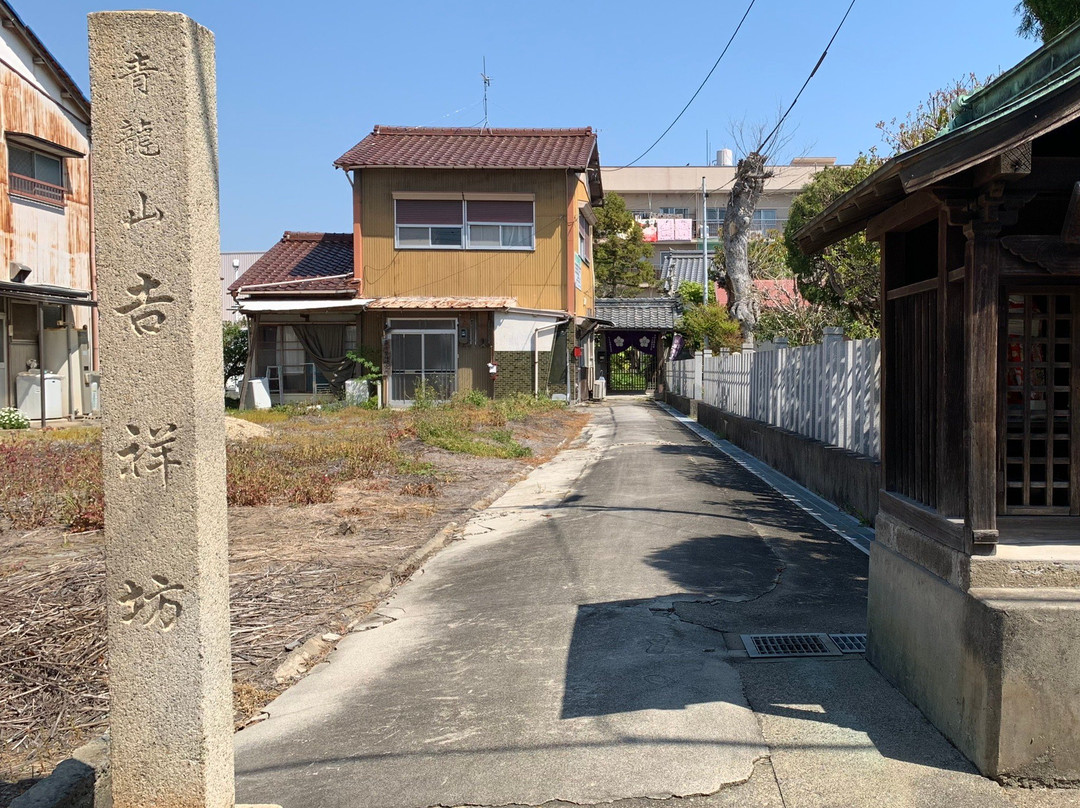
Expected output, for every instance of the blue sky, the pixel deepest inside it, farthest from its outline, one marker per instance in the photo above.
(299, 83)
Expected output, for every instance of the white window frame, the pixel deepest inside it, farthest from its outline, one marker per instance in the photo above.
(584, 239)
(501, 248)
(429, 246)
(465, 242)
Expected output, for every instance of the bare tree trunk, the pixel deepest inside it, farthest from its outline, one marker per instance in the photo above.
(750, 176)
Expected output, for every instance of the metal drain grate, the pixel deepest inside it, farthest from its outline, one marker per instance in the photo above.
(850, 643)
(789, 645)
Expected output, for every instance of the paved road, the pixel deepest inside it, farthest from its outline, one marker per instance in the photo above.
(581, 645)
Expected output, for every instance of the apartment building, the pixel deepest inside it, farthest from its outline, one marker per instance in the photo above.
(667, 200)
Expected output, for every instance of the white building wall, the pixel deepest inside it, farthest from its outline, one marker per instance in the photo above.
(514, 331)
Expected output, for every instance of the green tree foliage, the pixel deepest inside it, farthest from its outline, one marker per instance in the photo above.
(930, 116)
(844, 277)
(234, 340)
(620, 254)
(691, 293)
(709, 321)
(1045, 19)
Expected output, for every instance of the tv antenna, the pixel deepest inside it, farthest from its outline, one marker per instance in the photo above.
(487, 83)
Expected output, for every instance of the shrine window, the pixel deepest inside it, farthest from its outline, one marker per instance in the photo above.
(1041, 415)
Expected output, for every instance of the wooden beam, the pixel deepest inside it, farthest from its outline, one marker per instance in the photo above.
(891, 261)
(912, 289)
(981, 381)
(1039, 256)
(951, 474)
(1009, 165)
(1070, 232)
(927, 521)
(917, 209)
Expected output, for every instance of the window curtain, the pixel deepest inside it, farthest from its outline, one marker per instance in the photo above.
(325, 344)
(643, 341)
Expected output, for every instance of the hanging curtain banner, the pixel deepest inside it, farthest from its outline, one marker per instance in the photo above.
(644, 341)
(676, 347)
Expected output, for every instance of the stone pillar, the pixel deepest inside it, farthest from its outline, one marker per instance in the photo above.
(155, 194)
(832, 334)
(699, 368)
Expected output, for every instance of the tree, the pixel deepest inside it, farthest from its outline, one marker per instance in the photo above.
(766, 257)
(691, 292)
(750, 176)
(844, 276)
(234, 340)
(620, 254)
(1046, 19)
(711, 322)
(930, 116)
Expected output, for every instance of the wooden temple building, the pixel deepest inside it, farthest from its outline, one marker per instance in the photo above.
(974, 605)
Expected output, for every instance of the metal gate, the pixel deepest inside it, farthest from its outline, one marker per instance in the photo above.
(631, 372)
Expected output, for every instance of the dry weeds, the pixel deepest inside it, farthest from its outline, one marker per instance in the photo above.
(295, 571)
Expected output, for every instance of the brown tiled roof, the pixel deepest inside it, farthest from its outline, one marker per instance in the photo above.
(442, 303)
(301, 262)
(420, 147)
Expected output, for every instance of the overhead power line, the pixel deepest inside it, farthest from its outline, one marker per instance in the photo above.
(697, 91)
(824, 53)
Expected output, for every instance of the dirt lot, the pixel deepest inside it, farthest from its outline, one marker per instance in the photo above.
(296, 571)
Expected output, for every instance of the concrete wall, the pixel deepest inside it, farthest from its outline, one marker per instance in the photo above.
(996, 670)
(848, 479)
(535, 278)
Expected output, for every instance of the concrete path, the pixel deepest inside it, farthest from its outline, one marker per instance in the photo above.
(581, 645)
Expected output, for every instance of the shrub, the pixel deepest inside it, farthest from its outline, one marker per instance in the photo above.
(470, 398)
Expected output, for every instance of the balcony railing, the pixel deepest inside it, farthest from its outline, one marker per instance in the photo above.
(761, 227)
(29, 188)
(715, 227)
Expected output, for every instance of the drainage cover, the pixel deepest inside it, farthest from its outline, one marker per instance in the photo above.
(789, 645)
(850, 643)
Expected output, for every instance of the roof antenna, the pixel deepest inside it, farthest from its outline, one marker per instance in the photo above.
(487, 83)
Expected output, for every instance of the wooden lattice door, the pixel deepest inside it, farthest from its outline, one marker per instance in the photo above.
(1040, 419)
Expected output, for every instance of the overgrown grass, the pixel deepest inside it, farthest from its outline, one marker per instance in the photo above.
(54, 477)
(456, 430)
(51, 477)
(301, 466)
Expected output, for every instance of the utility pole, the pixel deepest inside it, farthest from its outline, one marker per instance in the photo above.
(705, 242)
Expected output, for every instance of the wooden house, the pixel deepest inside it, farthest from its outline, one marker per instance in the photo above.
(46, 275)
(469, 267)
(974, 597)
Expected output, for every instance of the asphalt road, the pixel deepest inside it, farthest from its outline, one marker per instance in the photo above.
(582, 645)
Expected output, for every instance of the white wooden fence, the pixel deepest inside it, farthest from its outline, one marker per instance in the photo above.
(830, 392)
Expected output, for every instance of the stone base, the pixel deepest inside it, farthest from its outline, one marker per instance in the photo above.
(997, 670)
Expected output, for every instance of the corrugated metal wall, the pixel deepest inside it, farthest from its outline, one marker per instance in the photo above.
(536, 278)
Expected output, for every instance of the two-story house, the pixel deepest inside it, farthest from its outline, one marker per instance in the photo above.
(469, 268)
(46, 278)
